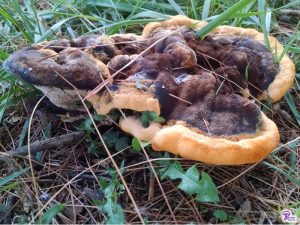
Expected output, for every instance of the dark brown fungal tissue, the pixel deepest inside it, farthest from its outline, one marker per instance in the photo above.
(201, 82)
(129, 44)
(101, 47)
(44, 66)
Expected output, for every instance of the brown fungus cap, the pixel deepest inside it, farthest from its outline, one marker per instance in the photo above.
(241, 46)
(203, 92)
(205, 89)
(207, 121)
(101, 47)
(51, 65)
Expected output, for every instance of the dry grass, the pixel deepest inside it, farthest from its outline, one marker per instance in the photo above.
(252, 193)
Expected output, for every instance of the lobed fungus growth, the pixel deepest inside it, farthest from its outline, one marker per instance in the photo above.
(205, 89)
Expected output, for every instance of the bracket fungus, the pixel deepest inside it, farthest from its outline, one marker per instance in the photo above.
(204, 88)
(53, 67)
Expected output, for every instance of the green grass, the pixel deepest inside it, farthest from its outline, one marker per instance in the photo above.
(270, 185)
(227, 14)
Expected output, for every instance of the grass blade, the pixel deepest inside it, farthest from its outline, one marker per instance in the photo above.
(246, 14)
(4, 14)
(51, 213)
(262, 21)
(25, 19)
(195, 12)
(123, 7)
(5, 99)
(23, 134)
(221, 18)
(53, 28)
(206, 8)
(38, 24)
(290, 4)
(176, 7)
(154, 5)
(268, 19)
(3, 55)
(289, 99)
(287, 47)
(150, 14)
(6, 102)
(238, 19)
(125, 23)
(283, 172)
(294, 49)
(106, 4)
(9, 178)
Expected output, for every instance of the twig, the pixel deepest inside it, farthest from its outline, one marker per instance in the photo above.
(290, 12)
(151, 187)
(45, 144)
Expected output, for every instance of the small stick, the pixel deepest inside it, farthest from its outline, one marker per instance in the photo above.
(151, 187)
(44, 145)
(290, 12)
